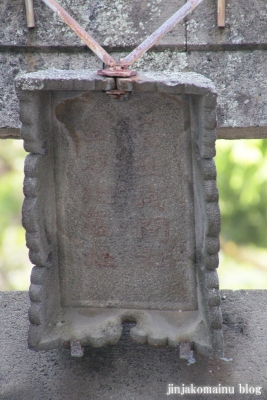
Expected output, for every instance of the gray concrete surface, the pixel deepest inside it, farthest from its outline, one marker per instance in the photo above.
(245, 26)
(239, 78)
(129, 370)
(11, 64)
(123, 24)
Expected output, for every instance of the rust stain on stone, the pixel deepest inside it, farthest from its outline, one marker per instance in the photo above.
(64, 113)
(30, 56)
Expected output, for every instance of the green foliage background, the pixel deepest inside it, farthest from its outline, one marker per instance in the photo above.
(242, 182)
(14, 264)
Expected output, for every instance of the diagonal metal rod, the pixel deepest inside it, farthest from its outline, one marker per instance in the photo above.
(160, 32)
(88, 39)
(135, 54)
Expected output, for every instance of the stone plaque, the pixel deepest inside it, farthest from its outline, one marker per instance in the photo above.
(121, 209)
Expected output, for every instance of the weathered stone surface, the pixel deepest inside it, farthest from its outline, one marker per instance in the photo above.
(112, 23)
(245, 25)
(121, 202)
(72, 80)
(13, 64)
(129, 370)
(239, 80)
(124, 24)
(117, 188)
(238, 76)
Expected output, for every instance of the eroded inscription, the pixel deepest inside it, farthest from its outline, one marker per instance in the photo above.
(156, 228)
(149, 197)
(126, 213)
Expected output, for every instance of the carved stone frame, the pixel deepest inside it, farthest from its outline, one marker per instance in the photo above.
(39, 211)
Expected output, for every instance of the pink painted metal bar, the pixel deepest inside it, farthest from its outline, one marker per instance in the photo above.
(86, 37)
(160, 32)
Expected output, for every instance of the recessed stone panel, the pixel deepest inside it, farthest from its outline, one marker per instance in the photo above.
(125, 201)
(121, 209)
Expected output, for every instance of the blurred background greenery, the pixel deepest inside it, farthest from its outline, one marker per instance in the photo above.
(14, 264)
(242, 182)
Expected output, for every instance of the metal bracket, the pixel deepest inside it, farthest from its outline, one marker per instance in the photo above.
(116, 93)
(117, 71)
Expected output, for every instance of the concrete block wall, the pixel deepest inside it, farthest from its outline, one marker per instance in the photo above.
(234, 57)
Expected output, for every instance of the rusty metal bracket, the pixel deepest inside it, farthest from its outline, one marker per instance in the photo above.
(117, 71)
(117, 93)
(30, 13)
(121, 68)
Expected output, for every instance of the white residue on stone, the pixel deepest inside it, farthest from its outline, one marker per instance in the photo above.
(32, 84)
(191, 359)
